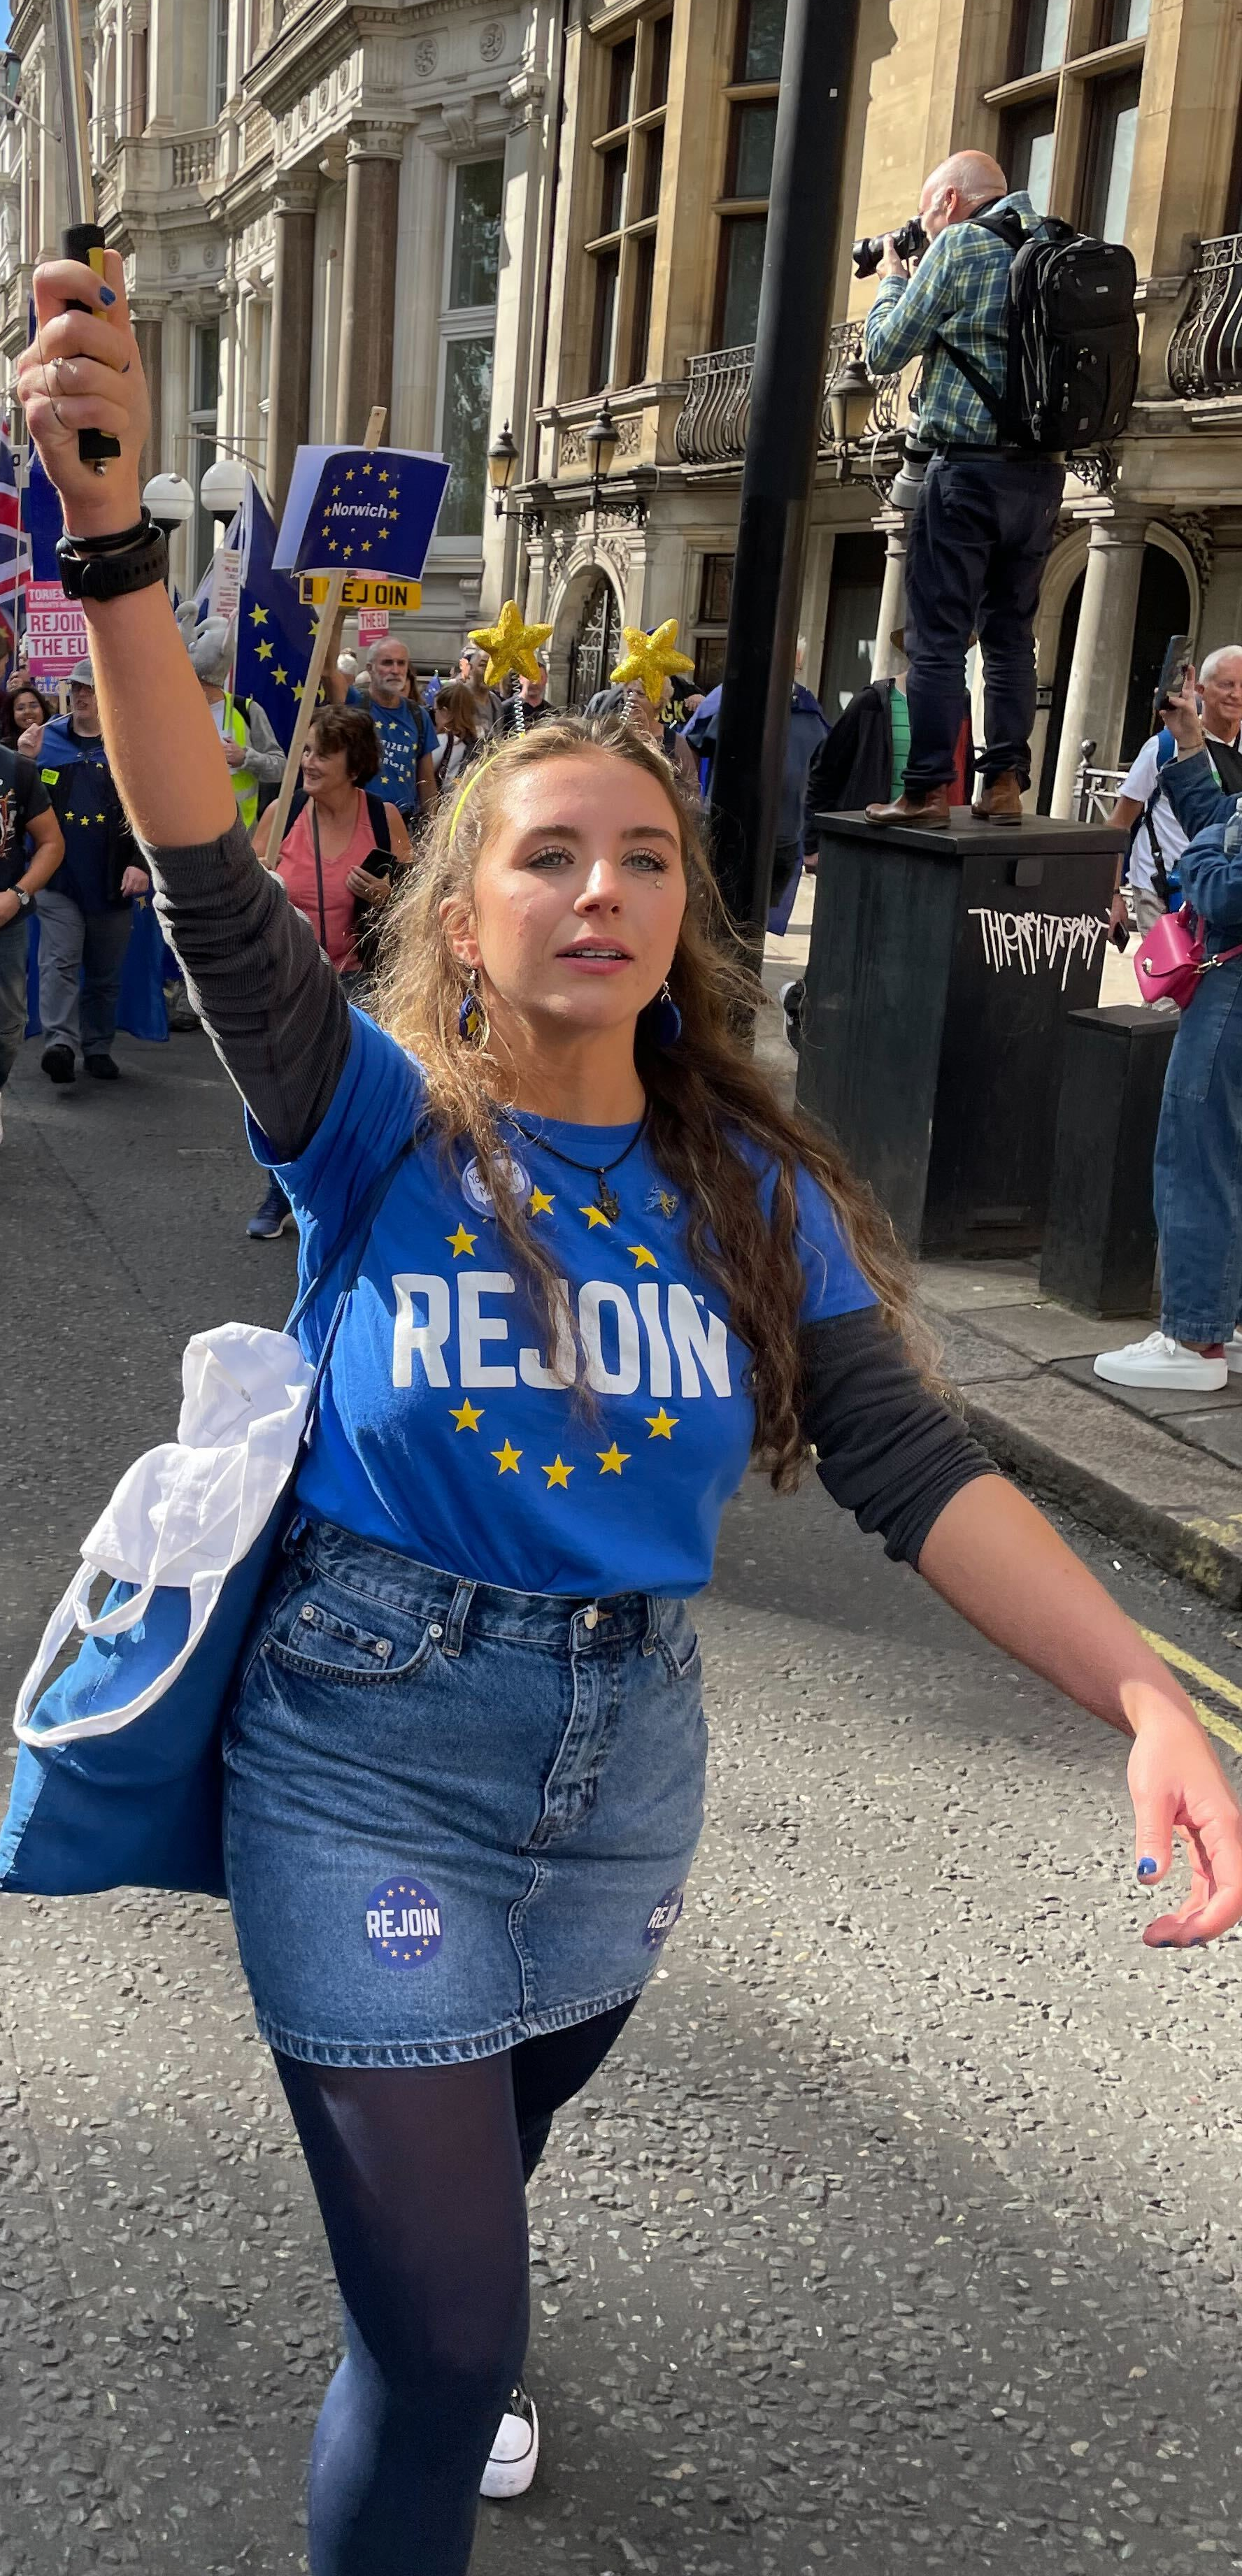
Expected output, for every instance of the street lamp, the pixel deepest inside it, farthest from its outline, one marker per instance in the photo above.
(601, 441)
(850, 398)
(223, 488)
(171, 503)
(502, 461)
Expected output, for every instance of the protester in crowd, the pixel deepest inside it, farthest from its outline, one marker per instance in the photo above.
(338, 830)
(807, 732)
(23, 708)
(467, 1663)
(31, 850)
(1199, 1139)
(1143, 807)
(536, 708)
(86, 917)
(472, 672)
(406, 774)
(250, 746)
(658, 725)
(984, 521)
(456, 719)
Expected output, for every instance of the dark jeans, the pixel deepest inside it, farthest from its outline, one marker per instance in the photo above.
(14, 941)
(981, 536)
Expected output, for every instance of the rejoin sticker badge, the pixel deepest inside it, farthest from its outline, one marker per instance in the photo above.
(663, 1916)
(403, 1924)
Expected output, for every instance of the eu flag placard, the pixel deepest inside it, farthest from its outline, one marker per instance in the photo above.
(275, 633)
(362, 510)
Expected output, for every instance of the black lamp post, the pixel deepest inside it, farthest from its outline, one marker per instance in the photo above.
(502, 460)
(601, 441)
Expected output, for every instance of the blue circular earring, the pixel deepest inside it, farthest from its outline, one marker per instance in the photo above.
(669, 1022)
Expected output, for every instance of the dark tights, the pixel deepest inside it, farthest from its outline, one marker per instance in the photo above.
(420, 2175)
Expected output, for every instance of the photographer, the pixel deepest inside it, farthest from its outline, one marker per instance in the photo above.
(986, 514)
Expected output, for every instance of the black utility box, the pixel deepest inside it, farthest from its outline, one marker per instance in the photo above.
(1100, 1238)
(943, 969)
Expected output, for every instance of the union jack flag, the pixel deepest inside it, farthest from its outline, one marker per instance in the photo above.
(14, 544)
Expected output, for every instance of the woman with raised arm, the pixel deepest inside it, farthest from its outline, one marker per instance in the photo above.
(465, 1763)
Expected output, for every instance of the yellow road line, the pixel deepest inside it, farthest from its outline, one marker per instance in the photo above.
(1207, 1680)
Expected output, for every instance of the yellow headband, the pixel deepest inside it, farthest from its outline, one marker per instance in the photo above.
(472, 781)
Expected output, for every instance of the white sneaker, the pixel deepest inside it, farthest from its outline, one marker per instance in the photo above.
(1233, 1352)
(1160, 1361)
(515, 2451)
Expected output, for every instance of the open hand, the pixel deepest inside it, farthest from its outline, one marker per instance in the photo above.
(30, 743)
(1178, 1788)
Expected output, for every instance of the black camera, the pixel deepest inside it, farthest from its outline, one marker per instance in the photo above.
(868, 253)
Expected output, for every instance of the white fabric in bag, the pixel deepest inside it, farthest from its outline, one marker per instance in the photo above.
(186, 1512)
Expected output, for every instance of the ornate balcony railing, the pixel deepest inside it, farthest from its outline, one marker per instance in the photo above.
(1205, 352)
(194, 158)
(715, 417)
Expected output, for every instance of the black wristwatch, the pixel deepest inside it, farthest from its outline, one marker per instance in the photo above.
(109, 567)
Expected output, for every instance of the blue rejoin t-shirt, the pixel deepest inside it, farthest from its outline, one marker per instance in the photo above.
(406, 732)
(447, 1431)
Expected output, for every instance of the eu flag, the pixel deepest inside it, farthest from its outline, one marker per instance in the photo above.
(351, 509)
(274, 632)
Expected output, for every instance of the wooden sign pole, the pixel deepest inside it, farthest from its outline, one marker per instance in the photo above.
(327, 620)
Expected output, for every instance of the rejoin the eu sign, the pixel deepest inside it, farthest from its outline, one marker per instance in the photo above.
(356, 509)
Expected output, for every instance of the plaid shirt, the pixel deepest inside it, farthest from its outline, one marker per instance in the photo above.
(958, 289)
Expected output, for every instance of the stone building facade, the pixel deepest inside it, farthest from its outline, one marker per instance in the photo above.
(491, 212)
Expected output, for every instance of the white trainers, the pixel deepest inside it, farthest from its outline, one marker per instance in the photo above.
(515, 2451)
(1233, 1352)
(1160, 1361)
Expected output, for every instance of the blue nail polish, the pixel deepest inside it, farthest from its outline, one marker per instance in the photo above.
(1147, 1868)
(107, 295)
(1165, 1945)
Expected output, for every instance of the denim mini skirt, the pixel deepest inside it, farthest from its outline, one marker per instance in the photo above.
(456, 1816)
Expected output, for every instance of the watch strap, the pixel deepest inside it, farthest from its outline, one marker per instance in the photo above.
(138, 566)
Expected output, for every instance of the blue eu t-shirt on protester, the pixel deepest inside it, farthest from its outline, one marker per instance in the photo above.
(406, 734)
(443, 1431)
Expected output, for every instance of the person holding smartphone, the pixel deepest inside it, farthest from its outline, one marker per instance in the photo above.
(1143, 806)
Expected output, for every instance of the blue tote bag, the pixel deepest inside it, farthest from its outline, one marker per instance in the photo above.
(119, 1778)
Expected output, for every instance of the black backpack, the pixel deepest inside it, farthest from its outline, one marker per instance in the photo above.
(1073, 339)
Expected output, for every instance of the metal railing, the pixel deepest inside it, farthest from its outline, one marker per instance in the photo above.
(1205, 352)
(1095, 789)
(715, 417)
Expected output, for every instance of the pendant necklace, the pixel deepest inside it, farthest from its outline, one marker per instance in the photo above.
(606, 1199)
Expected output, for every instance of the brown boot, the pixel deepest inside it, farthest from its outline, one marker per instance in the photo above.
(928, 806)
(1000, 799)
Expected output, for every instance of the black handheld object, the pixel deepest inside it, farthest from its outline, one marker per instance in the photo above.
(908, 241)
(86, 243)
(1173, 669)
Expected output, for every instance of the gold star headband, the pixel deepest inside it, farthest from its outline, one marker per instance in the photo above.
(510, 645)
(651, 659)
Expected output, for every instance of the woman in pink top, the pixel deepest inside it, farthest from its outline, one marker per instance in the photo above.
(323, 854)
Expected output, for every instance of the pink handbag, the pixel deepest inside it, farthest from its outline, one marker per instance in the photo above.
(1170, 962)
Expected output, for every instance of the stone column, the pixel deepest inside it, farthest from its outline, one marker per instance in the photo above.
(887, 659)
(293, 311)
(1099, 681)
(149, 334)
(372, 193)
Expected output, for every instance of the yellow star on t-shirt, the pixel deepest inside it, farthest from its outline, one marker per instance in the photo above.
(101, 818)
(508, 1458)
(258, 616)
(643, 1260)
(558, 1473)
(661, 1424)
(594, 1216)
(468, 1416)
(539, 1204)
(461, 1242)
(611, 1461)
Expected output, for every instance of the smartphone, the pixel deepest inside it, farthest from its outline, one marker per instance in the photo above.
(1121, 937)
(1177, 661)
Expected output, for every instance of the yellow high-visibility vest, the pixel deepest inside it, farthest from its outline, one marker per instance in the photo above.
(245, 784)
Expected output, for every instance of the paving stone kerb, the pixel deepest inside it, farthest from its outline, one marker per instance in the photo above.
(1141, 1481)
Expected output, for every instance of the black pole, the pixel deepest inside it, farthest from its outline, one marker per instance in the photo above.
(786, 408)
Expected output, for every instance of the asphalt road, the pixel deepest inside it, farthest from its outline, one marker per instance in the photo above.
(900, 2231)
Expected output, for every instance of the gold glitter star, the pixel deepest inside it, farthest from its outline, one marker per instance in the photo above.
(510, 645)
(467, 1416)
(652, 659)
